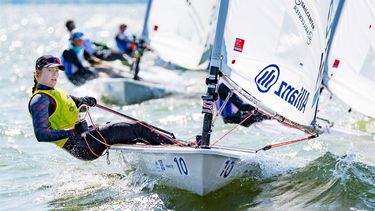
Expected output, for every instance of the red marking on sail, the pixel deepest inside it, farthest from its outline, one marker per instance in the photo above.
(369, 26)
(233, 61)
(156, 27)
(336, 63)
(238, 45)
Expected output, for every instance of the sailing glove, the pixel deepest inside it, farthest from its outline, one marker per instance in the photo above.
(80, 127)
(90, 101)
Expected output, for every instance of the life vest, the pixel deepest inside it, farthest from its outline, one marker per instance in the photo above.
(123, 43)
(89, 46)
(68, 67)
(65, 115)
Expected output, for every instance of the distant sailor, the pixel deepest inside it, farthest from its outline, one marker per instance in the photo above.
(76, 56)
(124, 43)
(99, 50)
(236, 110)
(55, 117)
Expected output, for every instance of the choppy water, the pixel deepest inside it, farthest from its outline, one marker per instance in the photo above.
(334, 172)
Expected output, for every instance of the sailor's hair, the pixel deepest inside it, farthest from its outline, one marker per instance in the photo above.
(70, 25)
(35, 83)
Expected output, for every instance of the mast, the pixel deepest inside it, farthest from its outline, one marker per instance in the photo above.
(212, 79)
(141, 45)
(144, 35)
(332, 30)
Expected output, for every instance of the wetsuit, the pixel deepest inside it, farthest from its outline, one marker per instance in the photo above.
(236, 110)
(72, 59)
(102, 51)
(42, 106)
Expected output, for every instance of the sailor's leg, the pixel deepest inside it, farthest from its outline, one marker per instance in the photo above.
(126, 133)
(82, 150)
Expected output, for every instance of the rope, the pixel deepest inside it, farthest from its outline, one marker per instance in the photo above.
(152, 129)
(233, 128)
(286, 123)
(87, 113)
(88, 145)
(270, 146)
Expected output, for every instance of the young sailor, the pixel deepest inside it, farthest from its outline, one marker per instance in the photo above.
(55, 118)
(74, 58)
(98, 50)
(236, 110)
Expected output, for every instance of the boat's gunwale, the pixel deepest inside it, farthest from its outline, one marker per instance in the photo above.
(161, 149)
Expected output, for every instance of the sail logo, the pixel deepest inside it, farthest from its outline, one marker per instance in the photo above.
(306, 21)
(267, 78)
(296, 98)
(238, 44)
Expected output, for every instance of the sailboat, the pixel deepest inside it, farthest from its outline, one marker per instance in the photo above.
(350, 68)
(272, 54)
(182, 36)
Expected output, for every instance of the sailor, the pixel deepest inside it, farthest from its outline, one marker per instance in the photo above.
(124, 43)
(235, 110)
(99, 50)
(55, 118)
(76, 56)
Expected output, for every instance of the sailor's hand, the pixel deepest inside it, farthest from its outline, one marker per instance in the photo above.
(98, 61)
(90, 101)
(80, 127)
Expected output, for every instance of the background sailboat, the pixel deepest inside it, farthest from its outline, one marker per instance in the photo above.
(350, 70)
(182, 35)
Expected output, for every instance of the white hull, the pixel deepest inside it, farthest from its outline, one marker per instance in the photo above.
(197, 170)
(123, 91)
(156, 82)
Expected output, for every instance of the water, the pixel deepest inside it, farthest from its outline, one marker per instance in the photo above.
(334, 171)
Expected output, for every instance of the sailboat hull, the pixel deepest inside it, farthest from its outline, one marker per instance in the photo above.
(200, 171)
(123, 91)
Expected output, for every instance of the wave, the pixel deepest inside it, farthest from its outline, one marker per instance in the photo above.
(328, 182)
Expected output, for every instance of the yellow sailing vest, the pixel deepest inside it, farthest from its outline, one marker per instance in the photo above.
(66, 114)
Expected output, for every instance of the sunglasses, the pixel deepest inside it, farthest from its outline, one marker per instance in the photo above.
(46, 61)
(53, 60)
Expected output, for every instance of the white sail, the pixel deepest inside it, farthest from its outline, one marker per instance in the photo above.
(351, 63)
(274, 50)
(181, 31)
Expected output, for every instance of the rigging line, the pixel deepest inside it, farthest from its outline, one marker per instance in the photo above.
(107, 145)
(96, 129)
(152, 128)
(271, 146)
(233, 128)
(287, 123)
(88, 145)
(134, 120)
